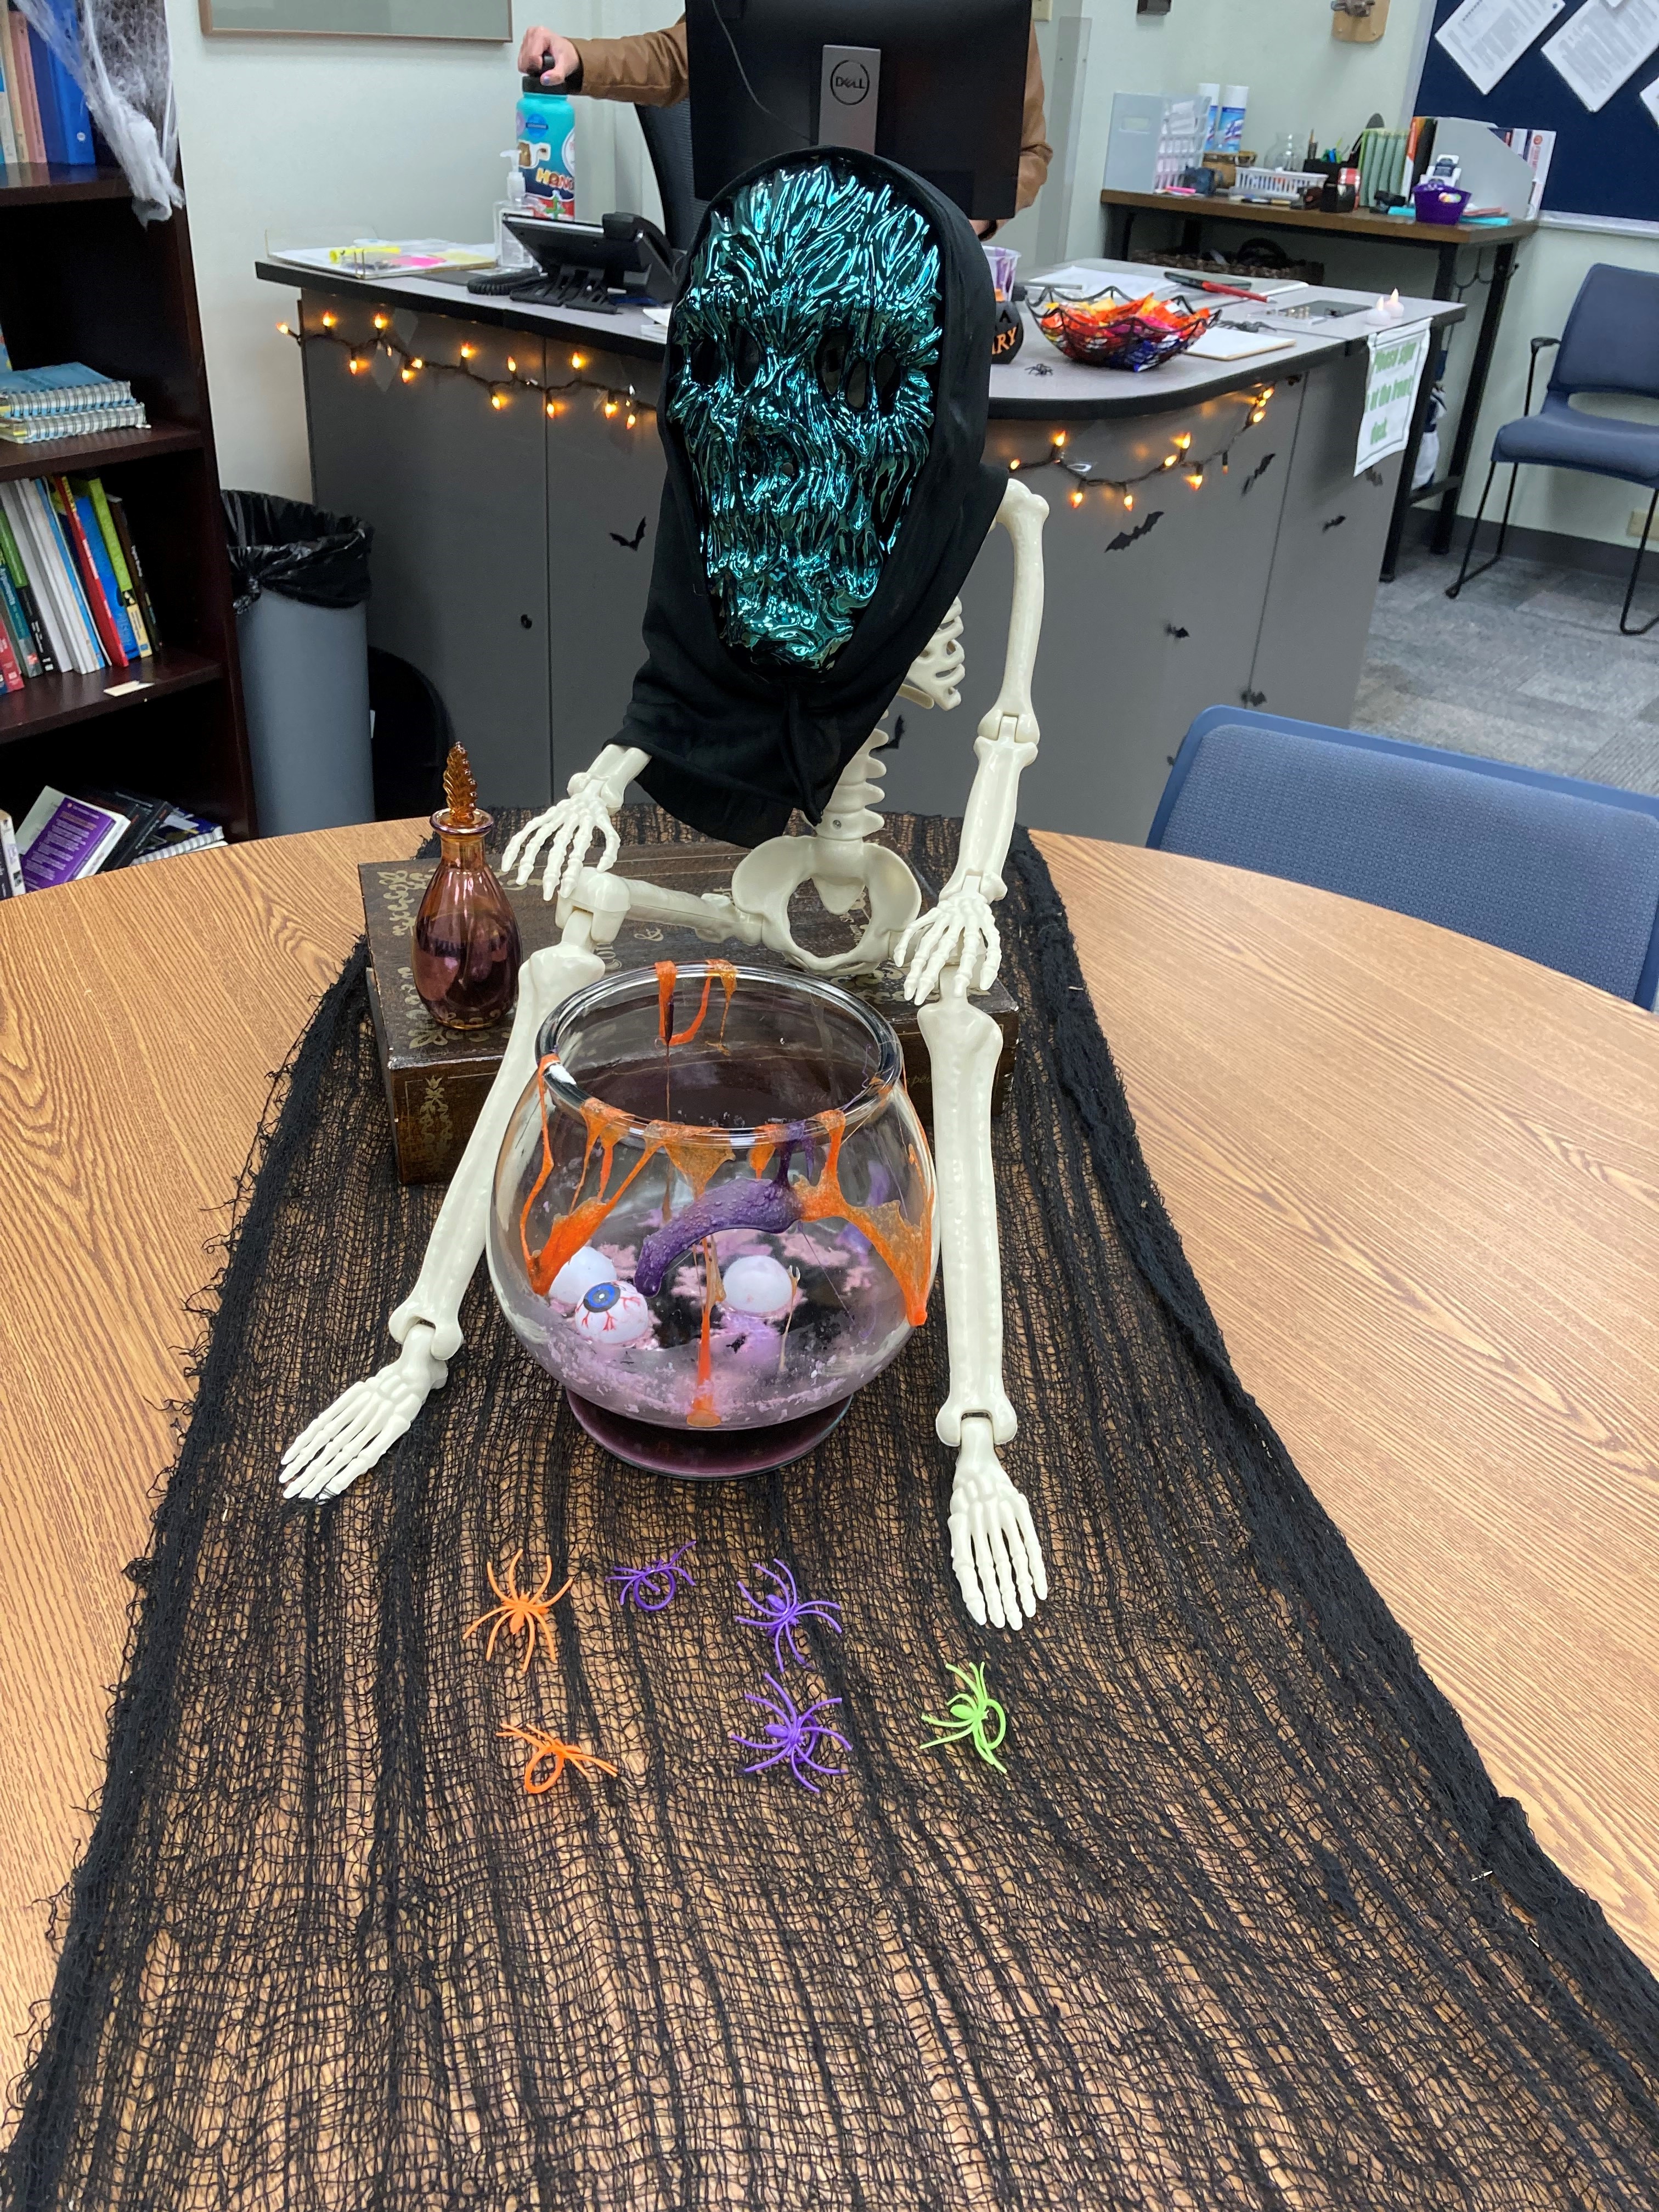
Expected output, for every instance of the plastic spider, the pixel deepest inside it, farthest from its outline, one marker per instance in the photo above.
(782, 1610)
(971, 1708)
(520, 1613)
(652, 1587)
(544, 1747)
(792, 1735)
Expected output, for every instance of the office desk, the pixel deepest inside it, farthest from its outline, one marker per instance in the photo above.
(513, 548)
(1443, 241)
(1417, 1176)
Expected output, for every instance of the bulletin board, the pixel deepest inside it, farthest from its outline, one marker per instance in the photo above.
(1606, 163)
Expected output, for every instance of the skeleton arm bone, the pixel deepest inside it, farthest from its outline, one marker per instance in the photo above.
(960, 931)
(567, 827)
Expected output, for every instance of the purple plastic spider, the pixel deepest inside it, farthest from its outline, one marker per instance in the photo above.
(791, 1734)
(781, 1611)
(652, 1587)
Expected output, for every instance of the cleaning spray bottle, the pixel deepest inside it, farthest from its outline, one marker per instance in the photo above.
(547, 149)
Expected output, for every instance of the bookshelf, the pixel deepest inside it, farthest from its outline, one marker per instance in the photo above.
(82, 279)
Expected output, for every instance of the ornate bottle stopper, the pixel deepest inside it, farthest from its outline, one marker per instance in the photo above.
(466, 938)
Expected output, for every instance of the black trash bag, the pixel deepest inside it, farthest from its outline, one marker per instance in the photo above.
(300, 552)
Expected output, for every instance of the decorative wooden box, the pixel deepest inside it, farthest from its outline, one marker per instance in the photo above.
(436, 1079)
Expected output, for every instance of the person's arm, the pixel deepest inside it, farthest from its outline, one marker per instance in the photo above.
(1035, 151)
(648, 70)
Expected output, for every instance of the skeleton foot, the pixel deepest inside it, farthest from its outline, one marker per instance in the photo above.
(364, 1423)
(993, 1545)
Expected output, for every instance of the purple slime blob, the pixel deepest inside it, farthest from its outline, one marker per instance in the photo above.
(755, 1205)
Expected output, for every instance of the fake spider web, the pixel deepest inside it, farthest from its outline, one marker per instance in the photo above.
(1243, 1923)
(116, 51)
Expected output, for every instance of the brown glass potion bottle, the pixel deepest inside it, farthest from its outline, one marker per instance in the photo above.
(467, 939)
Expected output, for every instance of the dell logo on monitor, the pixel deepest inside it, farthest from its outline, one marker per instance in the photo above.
(849, 81)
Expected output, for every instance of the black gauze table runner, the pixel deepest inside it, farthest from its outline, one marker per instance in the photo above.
(1245, 1922)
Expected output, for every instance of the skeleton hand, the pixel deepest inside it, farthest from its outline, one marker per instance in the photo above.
(362, 1425)
(570, 825)
(993, 1546)
(959, 931)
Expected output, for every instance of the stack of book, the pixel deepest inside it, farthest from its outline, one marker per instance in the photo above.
(62, 838)
(72, 591)
(43, 111)
(67, 401)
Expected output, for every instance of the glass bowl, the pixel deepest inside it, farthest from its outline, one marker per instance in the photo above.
(713, 1212)
(1112, 332)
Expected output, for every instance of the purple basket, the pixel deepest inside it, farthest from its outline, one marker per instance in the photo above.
(1439, 202)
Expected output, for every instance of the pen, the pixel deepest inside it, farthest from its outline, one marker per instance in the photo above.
(1185, 277)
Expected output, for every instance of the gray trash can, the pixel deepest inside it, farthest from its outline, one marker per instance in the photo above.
(302, 634)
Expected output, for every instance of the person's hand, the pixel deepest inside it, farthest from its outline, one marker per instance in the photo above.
(981, 229)
(537, 41)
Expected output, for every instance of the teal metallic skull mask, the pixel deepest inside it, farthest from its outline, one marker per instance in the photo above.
(807, 346)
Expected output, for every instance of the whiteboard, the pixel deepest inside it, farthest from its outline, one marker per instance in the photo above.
(361, 19)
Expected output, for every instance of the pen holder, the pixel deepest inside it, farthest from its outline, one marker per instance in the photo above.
(1441, 203)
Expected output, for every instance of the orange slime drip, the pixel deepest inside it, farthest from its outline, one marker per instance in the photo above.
(702, 1414)
(908, 1248)
(667, 974)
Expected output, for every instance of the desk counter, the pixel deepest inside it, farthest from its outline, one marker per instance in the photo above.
(513, 541)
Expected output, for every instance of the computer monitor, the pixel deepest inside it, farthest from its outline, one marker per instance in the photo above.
(937, 85)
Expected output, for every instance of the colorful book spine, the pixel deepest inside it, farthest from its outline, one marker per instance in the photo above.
(22, 630)
(23, 61)
(118, 508)
(11, 24)
(117, 561)
(11, 676)
(58, 566)
(92, 537)
(11, 861)
(103, 621)
(11, 558)
(8, 150)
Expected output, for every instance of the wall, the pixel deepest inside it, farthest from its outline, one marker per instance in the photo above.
(1302, 78)
(306, 141)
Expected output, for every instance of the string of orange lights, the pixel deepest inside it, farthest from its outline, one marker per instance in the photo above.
(626, 403)
(615, 400)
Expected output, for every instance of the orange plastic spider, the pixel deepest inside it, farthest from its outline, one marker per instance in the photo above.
(544, 1747)
(520, 1613)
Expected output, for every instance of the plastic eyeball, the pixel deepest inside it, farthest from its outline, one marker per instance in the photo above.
(613, 1314)
(756, 1284)
(579, 1274)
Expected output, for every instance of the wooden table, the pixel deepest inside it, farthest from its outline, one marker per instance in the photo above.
(1419, 1178)
(1442, 239)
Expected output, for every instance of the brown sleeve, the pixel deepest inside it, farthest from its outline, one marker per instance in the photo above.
(1035, 151)
(649, 70)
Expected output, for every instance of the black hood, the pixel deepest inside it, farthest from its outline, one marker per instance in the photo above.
(737, 745)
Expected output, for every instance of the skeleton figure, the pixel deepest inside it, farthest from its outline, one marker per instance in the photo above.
(806, 428)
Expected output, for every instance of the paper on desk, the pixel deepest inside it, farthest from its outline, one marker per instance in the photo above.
(1486, 38)
(1222, 342)
(1649, 98)
(1073, 277)
(1602, 46)
(1394, 373)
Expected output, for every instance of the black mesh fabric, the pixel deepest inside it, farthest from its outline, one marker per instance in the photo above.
(1244, 1924)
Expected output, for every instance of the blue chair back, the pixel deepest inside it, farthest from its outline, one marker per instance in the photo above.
(1611, 341)
(1561, 872)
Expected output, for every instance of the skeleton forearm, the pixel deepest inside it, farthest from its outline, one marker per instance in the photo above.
(988, 826)
(1007, 739)
(613, 771)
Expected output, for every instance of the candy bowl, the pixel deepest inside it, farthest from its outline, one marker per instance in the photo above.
(1112, 332)
(713, 1215)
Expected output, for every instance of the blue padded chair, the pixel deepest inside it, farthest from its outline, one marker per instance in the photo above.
(1611, 344)
(1563, 872)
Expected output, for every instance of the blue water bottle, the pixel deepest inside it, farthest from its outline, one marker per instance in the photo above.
(547, 150)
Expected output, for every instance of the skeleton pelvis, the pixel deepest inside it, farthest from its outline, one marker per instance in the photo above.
(767, 879)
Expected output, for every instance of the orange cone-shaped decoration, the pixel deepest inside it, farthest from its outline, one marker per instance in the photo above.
(466, 940)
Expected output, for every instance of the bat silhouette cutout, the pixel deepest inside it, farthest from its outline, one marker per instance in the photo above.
(1260, 469)
(634, 543)
(1176, 630)
(1128, 536)
(1335, 522)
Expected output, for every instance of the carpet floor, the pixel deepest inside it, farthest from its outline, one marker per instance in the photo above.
(1528, 666)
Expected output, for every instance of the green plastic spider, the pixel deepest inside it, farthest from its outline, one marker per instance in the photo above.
(971, 1708)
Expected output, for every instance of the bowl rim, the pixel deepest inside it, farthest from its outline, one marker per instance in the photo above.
(877, 1088)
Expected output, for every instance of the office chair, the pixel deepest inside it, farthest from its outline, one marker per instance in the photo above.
(667, 133)
(1611, 344)
(1561, 872)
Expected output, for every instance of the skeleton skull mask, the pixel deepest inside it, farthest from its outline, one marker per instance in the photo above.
(805, 347)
